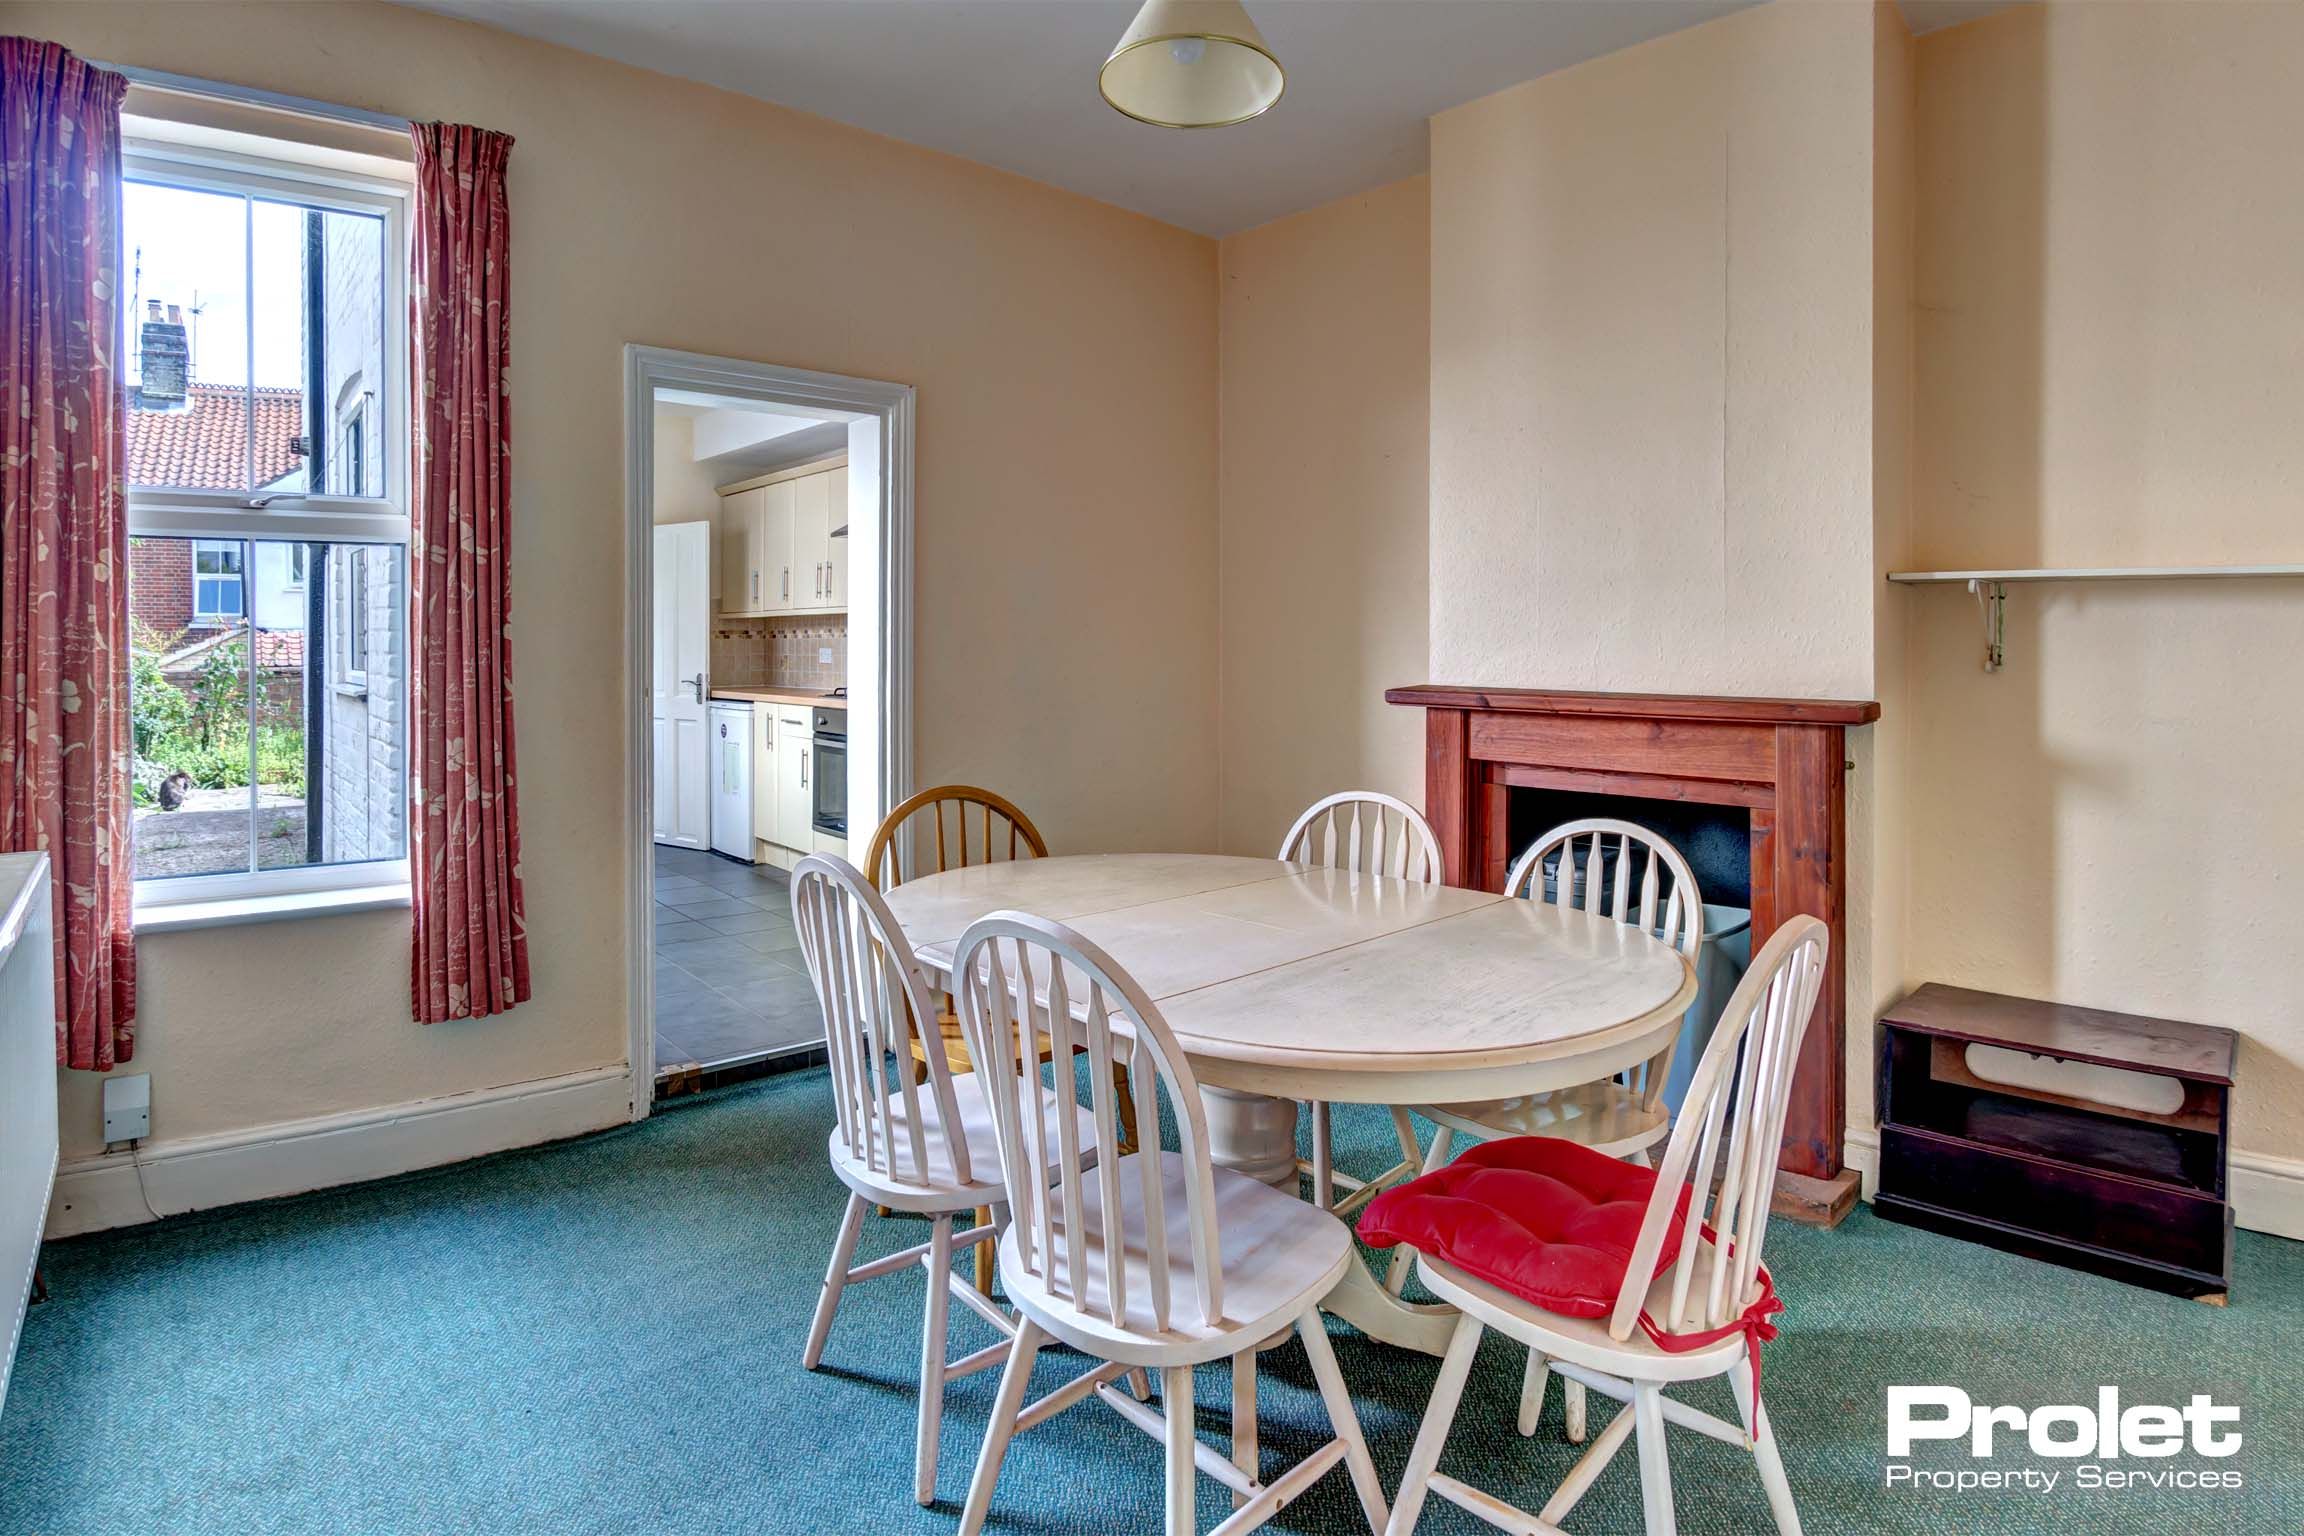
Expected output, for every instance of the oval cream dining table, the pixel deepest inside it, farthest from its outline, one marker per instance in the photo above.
(1288, 981)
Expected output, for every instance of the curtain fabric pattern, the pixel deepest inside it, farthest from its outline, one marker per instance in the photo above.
(471, 941)
(64, 717)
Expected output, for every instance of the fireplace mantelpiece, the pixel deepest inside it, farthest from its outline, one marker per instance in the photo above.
(1782, 760)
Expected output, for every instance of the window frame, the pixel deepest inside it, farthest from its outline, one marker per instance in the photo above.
(220, 617)
(295, 516)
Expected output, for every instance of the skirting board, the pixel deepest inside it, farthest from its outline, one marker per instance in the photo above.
(2267, 1192)
(297, 1156)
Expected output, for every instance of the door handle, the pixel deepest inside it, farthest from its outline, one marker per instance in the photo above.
(697, 683)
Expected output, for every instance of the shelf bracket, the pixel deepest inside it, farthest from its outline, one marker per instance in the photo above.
(1992, 598)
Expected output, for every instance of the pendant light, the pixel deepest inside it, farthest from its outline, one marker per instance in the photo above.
(1191, 64)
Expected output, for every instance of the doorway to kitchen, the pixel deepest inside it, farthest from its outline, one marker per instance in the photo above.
(768, 629)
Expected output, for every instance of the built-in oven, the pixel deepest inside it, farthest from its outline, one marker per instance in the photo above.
(830, 744)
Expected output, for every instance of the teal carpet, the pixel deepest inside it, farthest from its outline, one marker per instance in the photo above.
(604, 1336)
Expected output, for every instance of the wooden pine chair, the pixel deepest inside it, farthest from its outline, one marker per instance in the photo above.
(1622, 1116)
(1702, 1314)
(923, 1146)
(1003, 834)
(1154, 1259)
(1362, 830)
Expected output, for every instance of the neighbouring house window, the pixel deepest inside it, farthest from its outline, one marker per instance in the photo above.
(265, 347)
(354, 616)
(217, 589)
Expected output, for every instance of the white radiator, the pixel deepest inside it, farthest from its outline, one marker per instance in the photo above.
(27, 1084)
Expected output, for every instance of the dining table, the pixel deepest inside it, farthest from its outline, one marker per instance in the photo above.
(1286, 983)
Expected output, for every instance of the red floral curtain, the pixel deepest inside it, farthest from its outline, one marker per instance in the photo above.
(471, 955)
(64, 736)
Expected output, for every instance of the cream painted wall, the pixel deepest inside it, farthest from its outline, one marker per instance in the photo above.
(1326, 349)
(1065, 355)
(1879, 788)
(1652, 367)
(686, 491)
(2111, 372)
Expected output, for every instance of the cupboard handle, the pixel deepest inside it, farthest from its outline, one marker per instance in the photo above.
(787, 584)
(804, 769)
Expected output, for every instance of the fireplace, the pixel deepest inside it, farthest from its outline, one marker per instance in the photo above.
(1775, 764)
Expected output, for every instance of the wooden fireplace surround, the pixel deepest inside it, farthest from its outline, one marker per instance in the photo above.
(1780, 759)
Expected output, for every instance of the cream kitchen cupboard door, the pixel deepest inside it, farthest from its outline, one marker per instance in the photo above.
(811, 533)
(836, 545)
(740, 546)
(782, 588)
(764, 772)
(795, 788)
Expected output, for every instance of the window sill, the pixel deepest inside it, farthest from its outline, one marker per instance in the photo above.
(176, 916)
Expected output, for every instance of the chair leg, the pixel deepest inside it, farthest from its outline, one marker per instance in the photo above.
(1764, 1450)
(1323, 1158)
(934, 1337)
(1655, 1465)
(1125, 1100)
(1176, 1403)
(835, 1279)
(987, 1257)
(1447, 1392)
(1436, 1155)
(1404, 1127)
(1244, 1454)
(1573, 1408)
(1015, 1376)
(1532, 1384)
(1314, 1332)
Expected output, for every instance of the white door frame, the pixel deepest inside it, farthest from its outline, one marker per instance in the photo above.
(879, 411)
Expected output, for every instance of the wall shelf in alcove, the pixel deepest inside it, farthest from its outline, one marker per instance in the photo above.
(1991, 587)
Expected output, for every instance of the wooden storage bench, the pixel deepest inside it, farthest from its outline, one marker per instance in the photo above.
(2029, 1145)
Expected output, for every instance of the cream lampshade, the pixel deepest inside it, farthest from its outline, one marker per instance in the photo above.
(1191, 64)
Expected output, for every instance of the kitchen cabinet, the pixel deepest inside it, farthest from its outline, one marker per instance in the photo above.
(795, 795)
(836, 541)
(777, 553)
(764, 822)
(740, 548)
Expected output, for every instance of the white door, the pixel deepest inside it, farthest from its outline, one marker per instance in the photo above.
(681, 682)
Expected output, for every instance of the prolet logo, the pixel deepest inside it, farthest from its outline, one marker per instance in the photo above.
(2091, 1436)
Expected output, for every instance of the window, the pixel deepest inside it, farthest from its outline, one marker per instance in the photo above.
(217, 590)
(265, 350)
(352, 620)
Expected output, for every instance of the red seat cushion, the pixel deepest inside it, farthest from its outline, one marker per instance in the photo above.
(1552, 1222)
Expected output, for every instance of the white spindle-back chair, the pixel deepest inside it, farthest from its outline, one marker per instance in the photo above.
(1722, 1159)
(1151, 1259)
(1636, 877)
(1362, 831)
(906, 1138)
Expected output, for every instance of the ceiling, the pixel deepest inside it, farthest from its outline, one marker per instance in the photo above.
(1012, 83)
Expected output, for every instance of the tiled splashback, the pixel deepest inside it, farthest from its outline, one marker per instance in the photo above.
(781, 653)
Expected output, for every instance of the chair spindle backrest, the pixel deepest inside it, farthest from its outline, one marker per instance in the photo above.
(1365, 830)
(1019, 977)
(1652, 888)
(872, 992)
(1724, 1145)
(969, 826)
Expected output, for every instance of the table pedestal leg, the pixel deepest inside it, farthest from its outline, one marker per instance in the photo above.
(1255, 1134)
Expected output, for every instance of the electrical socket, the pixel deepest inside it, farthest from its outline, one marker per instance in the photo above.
(823, 655)
(128, 1108)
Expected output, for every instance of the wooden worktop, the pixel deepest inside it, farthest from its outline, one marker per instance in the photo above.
(817, 700)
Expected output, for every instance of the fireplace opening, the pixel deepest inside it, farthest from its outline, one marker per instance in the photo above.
(1716, 840)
